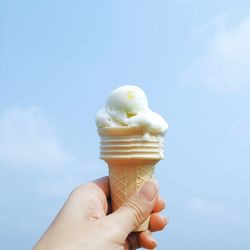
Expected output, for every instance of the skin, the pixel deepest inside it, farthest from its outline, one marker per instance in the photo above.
(85, 221)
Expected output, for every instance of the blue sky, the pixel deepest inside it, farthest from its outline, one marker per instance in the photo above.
(59, 61)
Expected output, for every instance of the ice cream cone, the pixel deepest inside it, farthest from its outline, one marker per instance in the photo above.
(131, 155)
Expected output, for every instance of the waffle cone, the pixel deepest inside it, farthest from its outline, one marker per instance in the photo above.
(131, 158)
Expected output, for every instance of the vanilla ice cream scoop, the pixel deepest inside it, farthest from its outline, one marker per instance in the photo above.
(128, 106)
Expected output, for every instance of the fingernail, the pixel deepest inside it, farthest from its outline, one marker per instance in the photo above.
(165, 220)
(154, 242)
(165, 203)
(149, 190)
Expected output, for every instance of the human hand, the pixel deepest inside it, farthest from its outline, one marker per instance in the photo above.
(85, 221)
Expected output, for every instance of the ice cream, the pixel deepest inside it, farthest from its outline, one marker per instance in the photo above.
(132, 138)
(128, 106)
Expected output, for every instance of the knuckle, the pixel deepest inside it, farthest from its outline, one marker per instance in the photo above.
(137, 210)
(78, 193)
(79, 190)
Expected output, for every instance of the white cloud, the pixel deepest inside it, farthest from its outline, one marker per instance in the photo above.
(63, 183)
(209, 210)
(56, 188)
(200, 206)
(225, 62)
(28, 140)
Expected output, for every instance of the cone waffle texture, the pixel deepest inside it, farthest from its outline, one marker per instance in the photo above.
(125, 178)
(131, 158)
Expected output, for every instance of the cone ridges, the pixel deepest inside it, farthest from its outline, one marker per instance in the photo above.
(131, 146)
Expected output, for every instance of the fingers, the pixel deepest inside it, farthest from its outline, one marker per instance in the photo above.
(138, 240)
(160, 204)
(136, 209)
(157, 222)
(146, 240)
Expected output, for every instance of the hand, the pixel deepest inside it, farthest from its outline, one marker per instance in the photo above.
(83, 222)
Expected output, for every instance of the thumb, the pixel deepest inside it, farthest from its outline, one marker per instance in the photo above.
(137, 208)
